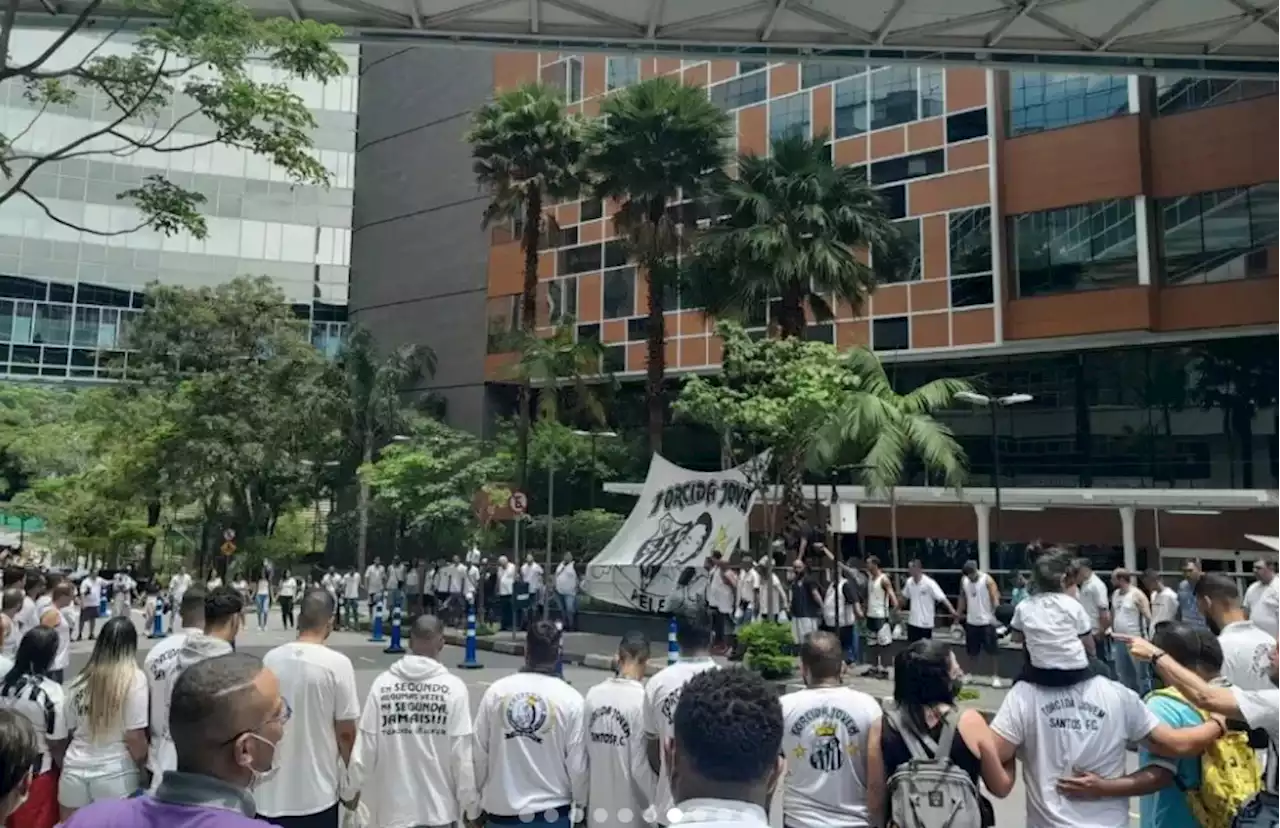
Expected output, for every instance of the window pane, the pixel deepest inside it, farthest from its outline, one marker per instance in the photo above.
(1048, 100)
(1179, 94)
(578, 259)
(852, 115)
(969, 239)
(1083, 247)
(1217, 236)
(615, 253)
(964, 126)
(6, 320)
(591, 210)
(620, 293)
(553, 75)
(740, 91)
(930, 91)
(562, 299)
(901, 261)
(908, 166)
(893, 96)
(615, 359)
(789, 117)
(574, 68)
(53, 324)
(621, 71)
(825, 71)
(969, 291)
(86, 330)
(745, 66)
(891, 334)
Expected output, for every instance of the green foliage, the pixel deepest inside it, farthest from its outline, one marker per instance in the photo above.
(580, 534)
(40, 434)
(190, 65)
(766, 646)
(791, 224)
(968, 694)
(561, 364)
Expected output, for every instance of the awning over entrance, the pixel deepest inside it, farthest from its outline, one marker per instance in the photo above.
(1187, 37)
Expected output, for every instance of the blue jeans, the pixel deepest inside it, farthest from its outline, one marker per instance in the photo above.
(539, 819)
(1129, 671)
(261, 602)
(353, 611)
(568, 609)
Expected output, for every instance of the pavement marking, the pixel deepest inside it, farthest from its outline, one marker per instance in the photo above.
(366, 658)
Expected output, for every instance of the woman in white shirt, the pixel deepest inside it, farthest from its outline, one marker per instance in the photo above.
(106, 714)
(288, 589)
(262, 599)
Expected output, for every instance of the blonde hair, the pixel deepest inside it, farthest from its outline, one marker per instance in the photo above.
(100, 690)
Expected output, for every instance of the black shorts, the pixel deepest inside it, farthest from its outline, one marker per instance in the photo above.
(915, 633)
(980, 638)
(328, 818)
(874, 624)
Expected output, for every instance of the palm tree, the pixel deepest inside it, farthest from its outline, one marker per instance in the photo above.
(526, 150)
(880, 429)
(655, 142)
(374, 384)
(550, 361)
(791, 224)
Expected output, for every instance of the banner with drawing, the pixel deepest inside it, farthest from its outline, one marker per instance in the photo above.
(681, 517)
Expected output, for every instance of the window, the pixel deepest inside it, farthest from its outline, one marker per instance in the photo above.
(969, 240)
(620, 293)
(931, 104)
(572, 260)
(970, 291)
(615, 359)
(1048, 100)
(1177, 94)
(566, 76)
(789, 117)
(908, 166)
(816, 73)
(852, 115)
(894, 96)
(589, 333)
(900, 261)
(746, 66)
(891, 333)
(638, 329)
(504, 324)
(615, 253)
(53, 324)
(559, 237)
(740, 91)
(965, 126)
(562, 300)
(821, 332)
(1217, 236)
(621, 71)
(591, 210)
(894, 200)
(1085, 247)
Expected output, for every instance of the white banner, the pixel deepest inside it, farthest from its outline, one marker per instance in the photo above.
(681, 517)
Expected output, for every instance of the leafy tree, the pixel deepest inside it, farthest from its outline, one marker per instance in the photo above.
(792, 223)
(374, 409)
(526, 152)
(187, 63)
(1238, 378)
(40, 434)
(432, 480)
(656, 141)
(559, 363)
(581, 534)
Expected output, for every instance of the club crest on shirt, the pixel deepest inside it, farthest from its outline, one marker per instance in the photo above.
(527, 715)
(819, 735)
(668, 706)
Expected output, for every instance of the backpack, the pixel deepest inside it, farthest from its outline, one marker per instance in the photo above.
(1230, 774)
(930, 791)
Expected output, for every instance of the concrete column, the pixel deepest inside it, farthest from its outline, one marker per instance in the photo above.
(1129, 537)
(982, 512)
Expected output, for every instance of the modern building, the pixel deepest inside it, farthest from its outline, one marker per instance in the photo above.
(1104, 244)
(66, 295)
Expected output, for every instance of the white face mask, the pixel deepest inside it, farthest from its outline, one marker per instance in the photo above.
(260, 777)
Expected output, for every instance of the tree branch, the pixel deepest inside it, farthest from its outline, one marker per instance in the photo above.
(76, 25)
(77, 68)
(54, 217)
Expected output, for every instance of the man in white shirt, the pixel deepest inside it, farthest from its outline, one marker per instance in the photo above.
(1130, 615)
(320, 686)
(412, 762)
(922, 595)
(1246, 647)
(531, 577)
(1059, 731)
(748, 586)
(455, 603)
(90, 603)
(880, 598)
(662, 693)
(1092, 595)
(530, 745)
(412, 590)
(161, 668)
(724, 754)
(375, 580)
(351, 597)
(1163, 600)
(178, 586)
(722, 590)
(567, 591)
(979, 597)
(121, 587)
(824, 737)
(506, 591)
(395, 584)
(621, 787)
(59, 615)
(1262, 598)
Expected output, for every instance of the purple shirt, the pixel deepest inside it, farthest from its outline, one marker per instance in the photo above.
(147, 812)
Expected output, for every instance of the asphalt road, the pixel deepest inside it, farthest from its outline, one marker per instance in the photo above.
(369, 661)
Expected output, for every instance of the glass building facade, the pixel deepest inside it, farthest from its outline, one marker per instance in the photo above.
(67, 295)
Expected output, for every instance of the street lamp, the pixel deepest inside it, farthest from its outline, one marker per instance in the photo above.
(994, 404)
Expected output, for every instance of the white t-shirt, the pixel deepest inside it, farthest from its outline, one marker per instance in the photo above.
(351, 588)
(1051, 623)
(457, 577)
(161, 669)
(395, 574)
(566, 579)
(878, 596)
(411, 579)
(27, 618)
(1093, 597)
(531, 574)
(924, 596)
(66, 616)
(43, 702)
(661, 695)
(978, 611)
(824, 737)
(473, 577)
(288, 588)
(91, 592)
(413, 755)
(1260, 709)
(719, 593)
(443, 573)
(530, 747)
(621, 780)
(1126, 616)
(373, 578)
(178, 585)
(1086, 726)
(1264, 609)
(264, 587)
(1246, 655)
(86, 753)
(748, 583)
(320, 685)
(1164, 606)
(507, 579)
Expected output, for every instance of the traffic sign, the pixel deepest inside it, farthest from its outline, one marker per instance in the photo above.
(228, 535)
(228, 548)
(518, 503)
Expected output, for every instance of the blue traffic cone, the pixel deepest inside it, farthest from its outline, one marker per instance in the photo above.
(395, 648)
(377, 622)
(673, 649)
(157, 620)
(469, 661)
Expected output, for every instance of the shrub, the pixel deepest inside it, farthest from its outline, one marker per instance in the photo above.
(766, 646)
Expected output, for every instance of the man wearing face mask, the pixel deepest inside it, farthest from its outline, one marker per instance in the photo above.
(227, 716)
(19, 754)
(724, 757)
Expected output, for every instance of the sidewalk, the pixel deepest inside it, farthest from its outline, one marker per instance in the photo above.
(597, 652)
